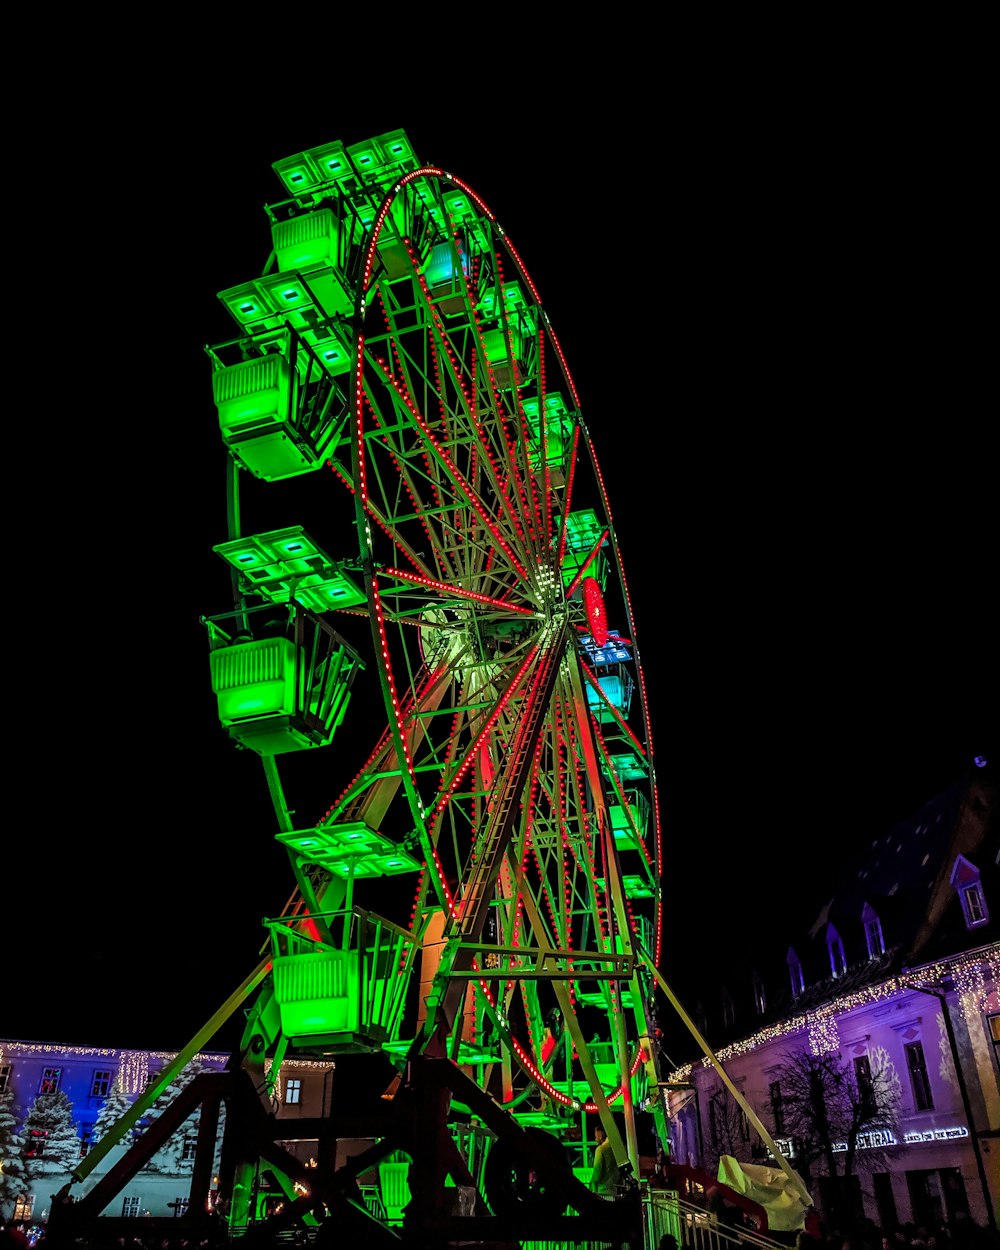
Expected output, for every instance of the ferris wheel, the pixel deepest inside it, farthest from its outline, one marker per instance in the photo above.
(417, 511)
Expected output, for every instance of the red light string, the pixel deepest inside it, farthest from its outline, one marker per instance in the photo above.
(455, 592)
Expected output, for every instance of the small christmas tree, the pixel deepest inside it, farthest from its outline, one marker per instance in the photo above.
(13, 1181)
(51, 1139)
(112, 1110)
(176, 1156)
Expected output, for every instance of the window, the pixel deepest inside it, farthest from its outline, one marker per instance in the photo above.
(866, 1090)
(86, 1139)
(4, 1077)
(100, 1085)
(936, 1195)
(190, 1147)
(293, 1090)
(23, 1206)
(777, 1111)
(130, 1205)
(834, 944)
(759, 997)
(965, 880)
(50, 1080)
(795, 973)
(717, 1122)
(919, 1081)
(873, 933)
(885, 1200)
(179, 1207)
(974, 905)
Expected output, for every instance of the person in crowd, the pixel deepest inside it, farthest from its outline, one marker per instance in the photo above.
(604, 1176)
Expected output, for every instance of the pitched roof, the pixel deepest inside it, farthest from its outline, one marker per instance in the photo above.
(904, 878)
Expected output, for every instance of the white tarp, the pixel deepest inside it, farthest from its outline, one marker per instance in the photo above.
(770, 1187)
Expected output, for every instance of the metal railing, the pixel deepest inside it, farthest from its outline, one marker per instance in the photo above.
(695, 1228)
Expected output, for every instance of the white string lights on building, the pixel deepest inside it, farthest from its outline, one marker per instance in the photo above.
(824, 1034)
(970, 975)
(134, 1072)
(133, 1065)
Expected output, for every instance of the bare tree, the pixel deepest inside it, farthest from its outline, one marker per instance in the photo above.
(729, 1130)
(842, 1115)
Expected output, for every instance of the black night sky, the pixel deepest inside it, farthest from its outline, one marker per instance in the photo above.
(772, 317)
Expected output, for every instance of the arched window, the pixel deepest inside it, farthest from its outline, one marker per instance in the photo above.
(795, 972)
(835, 945)
(759, 997)
(873, 932)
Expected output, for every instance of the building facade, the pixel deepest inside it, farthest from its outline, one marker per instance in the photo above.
(100, 1083)
(868, 1048)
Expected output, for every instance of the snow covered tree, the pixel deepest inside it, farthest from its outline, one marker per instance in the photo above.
(51, 1139)
(176, 1156)
(13, 1181)
(112, 1110)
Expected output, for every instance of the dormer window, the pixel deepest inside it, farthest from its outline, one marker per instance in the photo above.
(795, 973)
(965, 880)
(835, 946)
(759, 998)
(873, 932)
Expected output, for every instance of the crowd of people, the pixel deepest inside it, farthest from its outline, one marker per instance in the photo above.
(960, 1233)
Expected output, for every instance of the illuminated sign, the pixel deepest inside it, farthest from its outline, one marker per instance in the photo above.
(870, 1141)
(882, 1137)
(937, 1134)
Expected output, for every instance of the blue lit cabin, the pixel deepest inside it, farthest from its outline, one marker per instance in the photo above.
(609, 664)
(614, 649)
(618, 688)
